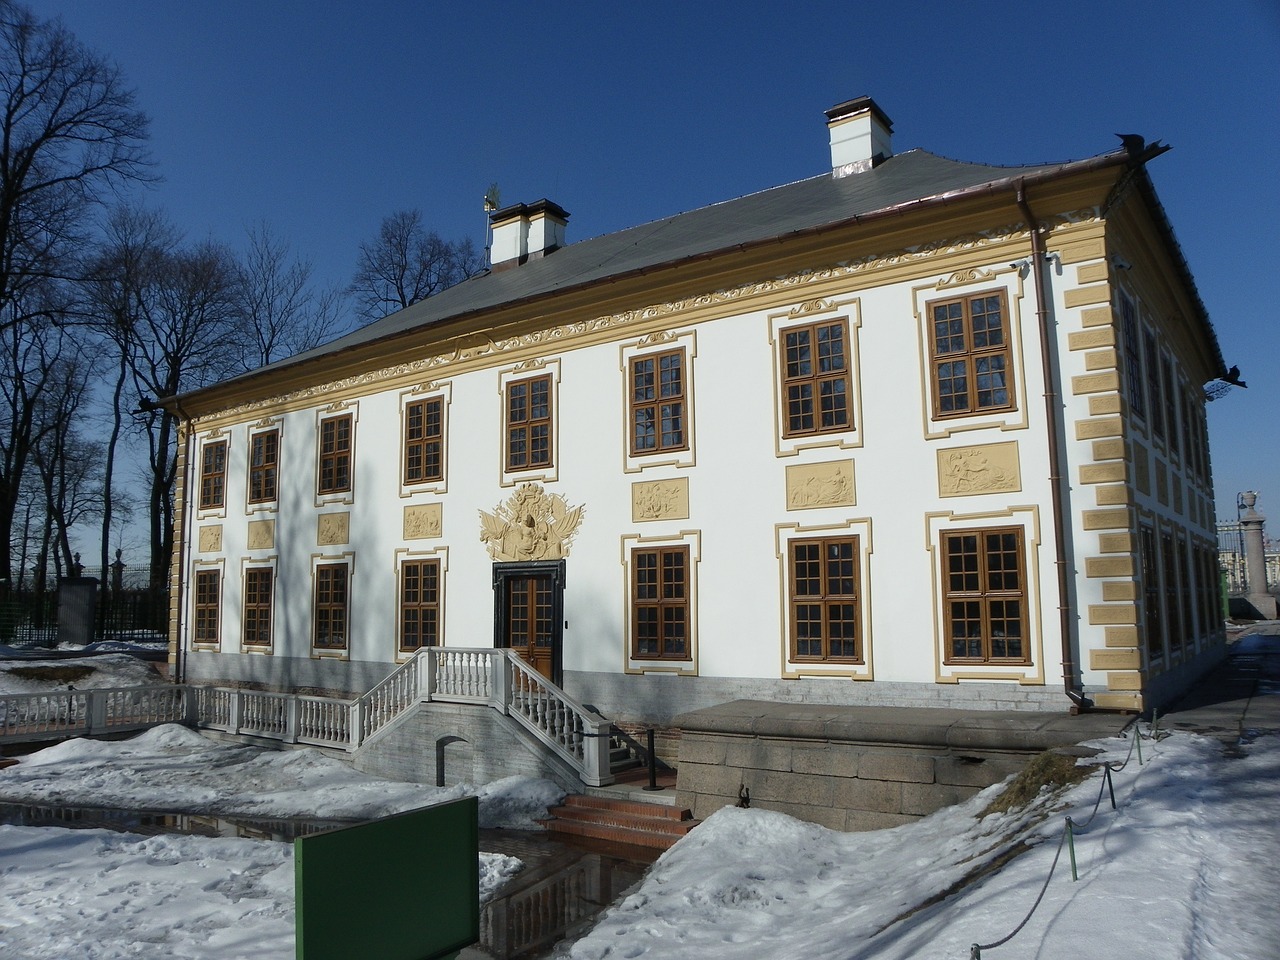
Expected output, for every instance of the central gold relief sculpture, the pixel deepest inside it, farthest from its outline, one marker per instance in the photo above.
(531, 525)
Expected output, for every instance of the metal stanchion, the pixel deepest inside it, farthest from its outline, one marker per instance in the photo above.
(653, 764)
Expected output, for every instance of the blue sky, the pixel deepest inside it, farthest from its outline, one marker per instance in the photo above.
(322, 118)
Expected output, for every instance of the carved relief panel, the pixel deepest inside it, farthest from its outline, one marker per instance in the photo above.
(262, 534)
(423, 522)
(333, 529)
(814, 485)
(986, 468)
(211, 538)
(660, 500)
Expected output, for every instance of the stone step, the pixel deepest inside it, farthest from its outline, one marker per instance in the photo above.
(620, 821)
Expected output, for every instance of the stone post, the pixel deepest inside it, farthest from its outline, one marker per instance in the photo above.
(1252, 524)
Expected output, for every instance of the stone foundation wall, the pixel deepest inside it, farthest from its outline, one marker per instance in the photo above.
(445, 744)
(860, 768)
(657, 699)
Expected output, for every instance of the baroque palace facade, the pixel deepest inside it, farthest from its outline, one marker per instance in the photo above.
(911, 432)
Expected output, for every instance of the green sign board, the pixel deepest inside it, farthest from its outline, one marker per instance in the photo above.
(405, 887)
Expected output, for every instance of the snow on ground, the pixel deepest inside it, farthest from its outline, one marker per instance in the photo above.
(98, 894)
(84, 673)
(1186, 867)
(173, 769)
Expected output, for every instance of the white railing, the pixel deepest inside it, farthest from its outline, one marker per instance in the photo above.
(84, 713)
(498, 679)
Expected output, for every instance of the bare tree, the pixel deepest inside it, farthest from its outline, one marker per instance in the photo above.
(29, 351)
(407, 263)
(69, 131)
(68, 464)
(119, 274)
(184, 337)
(280, 313)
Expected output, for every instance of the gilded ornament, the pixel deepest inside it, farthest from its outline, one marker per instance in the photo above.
(531, 525)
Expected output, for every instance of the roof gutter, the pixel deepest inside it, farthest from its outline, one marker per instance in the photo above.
(990, 188)
(1053, 411)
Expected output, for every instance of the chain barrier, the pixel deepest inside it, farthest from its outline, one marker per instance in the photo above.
(1071, 828)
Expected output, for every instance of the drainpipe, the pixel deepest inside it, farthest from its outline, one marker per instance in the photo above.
(1079, 701)
(183, 549)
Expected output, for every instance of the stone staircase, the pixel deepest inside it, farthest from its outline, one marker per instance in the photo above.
(656, 826)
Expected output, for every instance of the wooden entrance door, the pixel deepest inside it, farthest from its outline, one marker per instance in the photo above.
(529, 598)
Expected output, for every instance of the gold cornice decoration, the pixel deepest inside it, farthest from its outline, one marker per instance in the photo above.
(336, 407)
(819, 305)
(215, 434)
(265, 422)
(427, 387)
(657, 337)
(972, 275)
(533, 363)
(473, 346)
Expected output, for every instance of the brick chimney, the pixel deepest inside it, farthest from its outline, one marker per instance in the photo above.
(526, 231)
(861, 136)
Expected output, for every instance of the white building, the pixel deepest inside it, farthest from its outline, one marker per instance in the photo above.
(913, 431)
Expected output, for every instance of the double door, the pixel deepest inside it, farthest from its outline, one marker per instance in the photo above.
(529, 613)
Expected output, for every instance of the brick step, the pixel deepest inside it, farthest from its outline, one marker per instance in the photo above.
(627, 806)
(620, 821)
(628, 821)
(602, 831)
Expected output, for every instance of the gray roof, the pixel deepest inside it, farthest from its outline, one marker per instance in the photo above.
(905, 179)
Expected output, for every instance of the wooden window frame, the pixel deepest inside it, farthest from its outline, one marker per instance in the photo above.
(668, 609)
(1132, 357)
(847, 593)
(424, 441)
(1152, 608)
(264, 473)
(258, 607)
(657, 404)
(1170, 405)
(330, 605)
(1172, 588)
(816, 401)
(1154, 402)
(213, 475)
(970, 355)
(520, 427)
(985, 596)
(206, 618)
(420, 606)
(333, 455)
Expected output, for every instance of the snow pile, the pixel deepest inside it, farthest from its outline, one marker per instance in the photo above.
(94, 894)
(176, 770)
(84, 673)
(1184, 868)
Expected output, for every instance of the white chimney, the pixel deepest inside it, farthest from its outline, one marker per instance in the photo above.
(861, 136)
(526, 231)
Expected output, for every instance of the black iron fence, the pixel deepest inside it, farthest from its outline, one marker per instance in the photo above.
(85, 608)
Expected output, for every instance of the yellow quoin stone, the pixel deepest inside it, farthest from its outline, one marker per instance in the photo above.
(1084, 296)
(1125, 680)
(1120, 590)
(1121, 636)
(1095, 383)
(1103, 613)
(1097, 567)
(1105, 519)
(1115, 659)
(1099, 427)
(1092, 339)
